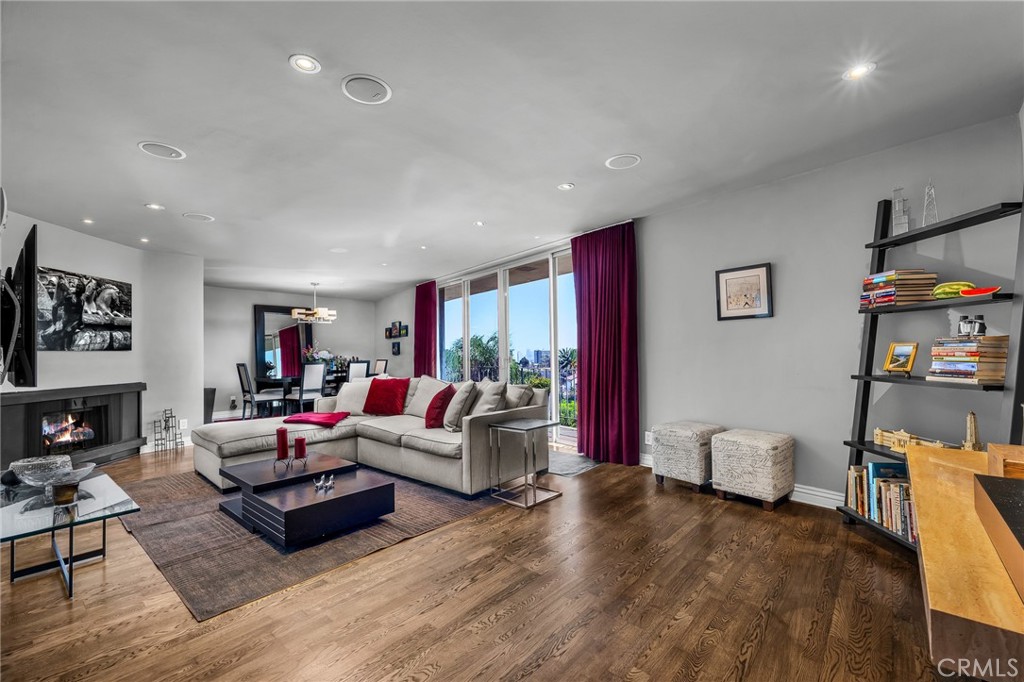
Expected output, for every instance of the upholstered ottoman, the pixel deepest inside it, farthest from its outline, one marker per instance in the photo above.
(682, 450)
(756, 464)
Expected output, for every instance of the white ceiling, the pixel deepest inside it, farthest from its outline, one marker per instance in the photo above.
(494, 105)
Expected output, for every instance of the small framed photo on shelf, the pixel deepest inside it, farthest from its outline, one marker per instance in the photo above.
(744, 292)
(396, 347)
(404, 331)
(901, 357)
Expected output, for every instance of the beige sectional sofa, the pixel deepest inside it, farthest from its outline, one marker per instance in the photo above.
(399, 444)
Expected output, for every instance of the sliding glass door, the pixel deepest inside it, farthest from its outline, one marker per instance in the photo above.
(484, 346)
(529, 323)
(565, 337)
(450, 328)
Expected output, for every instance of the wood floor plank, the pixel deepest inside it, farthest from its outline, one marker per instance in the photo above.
(617, 579)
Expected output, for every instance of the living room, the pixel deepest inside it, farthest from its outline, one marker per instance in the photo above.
(723, 136)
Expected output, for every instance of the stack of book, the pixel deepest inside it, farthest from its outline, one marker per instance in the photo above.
(897, 287)
(970, 360)
(880, 491)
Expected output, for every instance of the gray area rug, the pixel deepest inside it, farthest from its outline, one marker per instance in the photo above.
(564, 464)
(215, 565)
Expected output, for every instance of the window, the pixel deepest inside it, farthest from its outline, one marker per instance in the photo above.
(449, 326)
(484, 351)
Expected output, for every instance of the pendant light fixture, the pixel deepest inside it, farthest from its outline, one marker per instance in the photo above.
(314, 314)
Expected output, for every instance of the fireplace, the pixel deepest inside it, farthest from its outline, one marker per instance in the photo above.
(66, 432)
(88, 423)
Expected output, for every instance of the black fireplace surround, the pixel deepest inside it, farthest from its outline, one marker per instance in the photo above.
(89, 423)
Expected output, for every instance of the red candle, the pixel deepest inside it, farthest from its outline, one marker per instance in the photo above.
(282, 443)
(300, 448)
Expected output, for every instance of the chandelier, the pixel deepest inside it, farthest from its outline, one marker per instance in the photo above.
(314, 314)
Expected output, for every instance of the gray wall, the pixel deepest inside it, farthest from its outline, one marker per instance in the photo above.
(167, 319)
(228, 332)
(790, 373)
(400, 306)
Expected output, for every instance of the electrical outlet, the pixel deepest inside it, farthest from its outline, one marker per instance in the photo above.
(233, 398)
(648, 438)
(182, 424)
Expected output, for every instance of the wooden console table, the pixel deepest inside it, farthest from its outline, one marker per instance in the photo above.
(972, 608)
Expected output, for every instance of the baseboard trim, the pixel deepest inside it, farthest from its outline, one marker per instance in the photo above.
(805, 494)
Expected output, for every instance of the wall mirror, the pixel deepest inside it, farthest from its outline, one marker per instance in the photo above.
(279, 342)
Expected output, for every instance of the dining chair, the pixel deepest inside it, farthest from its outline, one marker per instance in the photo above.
(358, 369)
(251, 398)
(380, 366)
(311, 385)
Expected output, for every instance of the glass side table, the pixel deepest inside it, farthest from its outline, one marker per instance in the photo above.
(108, 501)
(519, 496)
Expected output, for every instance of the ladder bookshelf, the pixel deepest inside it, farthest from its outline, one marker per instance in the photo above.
(1011, 416)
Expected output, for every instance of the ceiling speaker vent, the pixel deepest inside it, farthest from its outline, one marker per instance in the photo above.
(366, 89)
(162, 151)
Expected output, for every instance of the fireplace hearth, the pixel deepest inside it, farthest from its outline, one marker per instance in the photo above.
(88, 423)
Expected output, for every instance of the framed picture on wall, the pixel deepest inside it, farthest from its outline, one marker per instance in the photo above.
(387, 332)
(404, 331)
(396, 347)
(396, 329)
(744, 292)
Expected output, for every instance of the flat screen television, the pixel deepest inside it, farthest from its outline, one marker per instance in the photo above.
(19, 316)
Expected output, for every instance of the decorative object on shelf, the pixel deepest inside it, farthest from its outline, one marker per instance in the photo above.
(930, 215)
(314, 353)
(58, 478)
(901, 357)
(323, 484)
(167, 432)
(981, 291)
(964, 327)
(744, 292)
(972, 442)
(82, 312)
(898, 441)
(896, 288)
(978, 326)
(396, 347)
(970, 359)
(900, 212)
(314, 315)
(950, 289)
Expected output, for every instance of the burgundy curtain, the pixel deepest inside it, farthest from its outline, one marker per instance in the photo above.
(291, 365)
(424, 344)
(604, 266)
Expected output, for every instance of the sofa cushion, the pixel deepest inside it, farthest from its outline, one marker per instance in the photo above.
(352, 397)
(459, 406)
(413, 385)
(425, 392)
(389, 429)
(229, 439)
(438, 442)
(386, 396)
(438, 406)
(518, 396)
(491, 398)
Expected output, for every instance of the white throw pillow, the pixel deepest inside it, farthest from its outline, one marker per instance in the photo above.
(459, 406)
(427, 388)
(491, 398)
(352, 397)
(518, 396)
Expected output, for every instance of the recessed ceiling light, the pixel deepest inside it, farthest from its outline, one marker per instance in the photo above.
(623, 161)
(384, 264)
(144, 240)
(155, 207)
(339, 249)
(424, 248)
(566, 186)
(536, 236)
(88, 221)
(162, 151)
(199, 217)
(303, 63)
(857, 72)
(478, 223)
(366, 89)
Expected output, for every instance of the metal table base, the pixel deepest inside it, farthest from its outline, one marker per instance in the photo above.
(66, 566)
(519, 495)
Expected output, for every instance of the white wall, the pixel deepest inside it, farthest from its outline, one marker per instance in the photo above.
(228, 332)
(167, 318)
(402, 307)
(790, 373)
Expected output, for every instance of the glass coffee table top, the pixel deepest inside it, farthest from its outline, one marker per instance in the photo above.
(105, 500)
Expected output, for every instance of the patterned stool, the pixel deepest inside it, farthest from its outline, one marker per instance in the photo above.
(682, 450)
(756, 464)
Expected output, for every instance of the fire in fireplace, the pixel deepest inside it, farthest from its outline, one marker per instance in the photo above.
(67, 432)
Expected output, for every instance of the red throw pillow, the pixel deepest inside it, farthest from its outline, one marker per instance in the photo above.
(318, 418)
(386, 397)
(438, 406)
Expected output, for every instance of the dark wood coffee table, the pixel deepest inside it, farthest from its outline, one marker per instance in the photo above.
(285, 506)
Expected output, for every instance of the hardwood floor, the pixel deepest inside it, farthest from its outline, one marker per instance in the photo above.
(617, 579)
